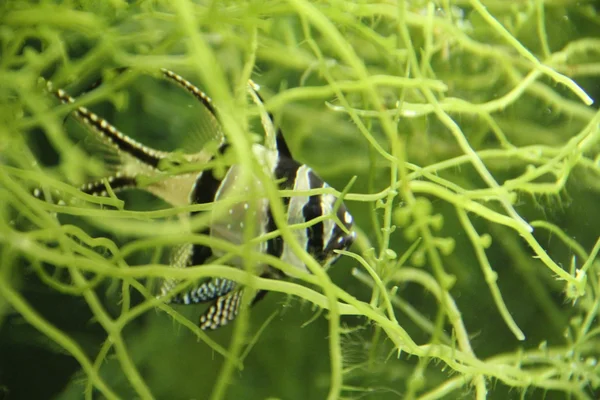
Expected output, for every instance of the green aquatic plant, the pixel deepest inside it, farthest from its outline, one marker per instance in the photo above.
(461, 134)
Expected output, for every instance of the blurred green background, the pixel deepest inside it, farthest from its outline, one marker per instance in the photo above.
(75, 42)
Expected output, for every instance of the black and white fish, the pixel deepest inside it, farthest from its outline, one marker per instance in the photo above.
(136, 161)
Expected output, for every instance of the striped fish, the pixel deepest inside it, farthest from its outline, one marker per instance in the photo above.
(136, 161)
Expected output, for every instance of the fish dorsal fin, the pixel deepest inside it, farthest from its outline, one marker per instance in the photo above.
(274, 139)
(116, 144)
(126, 159)
(207, 131)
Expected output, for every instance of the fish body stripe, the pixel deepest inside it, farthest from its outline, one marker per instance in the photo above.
(203, 192)
(285, 172)
(311, 210)
(275, 244)
(204, 189)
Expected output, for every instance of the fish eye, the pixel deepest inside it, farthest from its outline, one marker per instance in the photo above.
(348, 218)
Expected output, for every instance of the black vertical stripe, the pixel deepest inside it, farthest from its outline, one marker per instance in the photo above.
(274, 245)
(204, 192)
(207, 185)
(285, 170)
(205, 189)
(311, 210)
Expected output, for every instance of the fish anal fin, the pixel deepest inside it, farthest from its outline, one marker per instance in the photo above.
(222, 311)
(205, 292)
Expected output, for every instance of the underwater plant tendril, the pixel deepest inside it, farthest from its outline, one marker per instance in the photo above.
(458, 132)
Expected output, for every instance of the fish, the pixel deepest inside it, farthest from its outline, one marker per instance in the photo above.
(215, 186)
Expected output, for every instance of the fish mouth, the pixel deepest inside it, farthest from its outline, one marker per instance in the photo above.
(343, 243)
